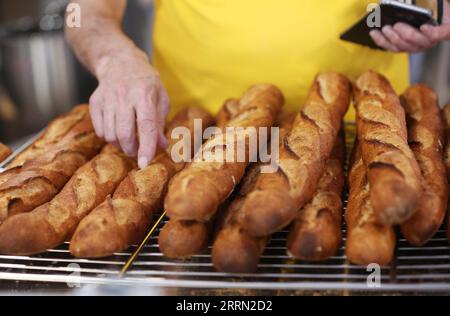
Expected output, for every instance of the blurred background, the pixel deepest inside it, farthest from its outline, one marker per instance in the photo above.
(40, 78)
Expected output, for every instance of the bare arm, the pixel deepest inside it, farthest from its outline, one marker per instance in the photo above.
(130, 99)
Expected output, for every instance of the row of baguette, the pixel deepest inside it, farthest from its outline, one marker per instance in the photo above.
(62, 188)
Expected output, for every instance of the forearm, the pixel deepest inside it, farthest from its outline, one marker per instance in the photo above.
(100, 39)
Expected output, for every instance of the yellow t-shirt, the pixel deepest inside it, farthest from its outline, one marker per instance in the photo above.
(210, 50)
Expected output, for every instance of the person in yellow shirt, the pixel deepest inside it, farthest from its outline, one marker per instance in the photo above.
(206, 51)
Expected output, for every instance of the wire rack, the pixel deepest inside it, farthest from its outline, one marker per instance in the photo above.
(425, 269)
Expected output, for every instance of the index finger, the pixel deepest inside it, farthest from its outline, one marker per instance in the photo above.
(147, 125)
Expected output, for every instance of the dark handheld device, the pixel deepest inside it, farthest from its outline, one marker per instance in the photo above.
(392, 12)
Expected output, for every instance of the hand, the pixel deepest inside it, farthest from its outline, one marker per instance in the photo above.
(405, 38)
(130, 106)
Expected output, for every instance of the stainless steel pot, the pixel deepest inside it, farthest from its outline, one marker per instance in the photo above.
(42, 77)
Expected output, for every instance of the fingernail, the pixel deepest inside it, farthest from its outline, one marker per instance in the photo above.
(142, 162)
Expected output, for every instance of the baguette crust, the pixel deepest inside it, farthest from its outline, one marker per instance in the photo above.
(446, 116)
(181, 239)
(197, 191)
(124, 219)
(39, 179)
(303, 151)
(393, 172)
(5, 151)
(426, 139)
(316, 233)
(367, 240)
(53, 223)
(62, 127)
(234, 249)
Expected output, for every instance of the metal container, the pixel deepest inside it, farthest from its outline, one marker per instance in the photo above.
(41, 75)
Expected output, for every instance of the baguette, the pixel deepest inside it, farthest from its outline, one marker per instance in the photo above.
(123, 220)
(446, 116)
(54, 222)
(392, 170)
(302, 155)
(63, 126)
(197, 191)
(316, 232)
(426, 139)
(180, 239)
(38, 180)
(367, 240)
(5, 151)
(234, 249)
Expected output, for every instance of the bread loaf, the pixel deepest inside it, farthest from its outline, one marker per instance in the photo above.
(367, 241)
(426, 138)
(5, 151)
(65, 126)
(446, 116)
(393, 173)
(40, 178)
(180, 239)
(196, 192)
(124, 219)
(316, 232)
(234, 249)
(302, 156)
(54, 222)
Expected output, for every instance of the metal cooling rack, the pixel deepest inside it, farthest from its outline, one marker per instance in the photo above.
(417, 270)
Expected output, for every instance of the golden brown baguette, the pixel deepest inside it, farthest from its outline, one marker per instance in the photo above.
(183, 239)
(38, 180)
(446, 116)
(302, 156)
(54, 222)
(64, 126)
(5, 151)
(367, 240)
(393, 172)
(196, 192)
(123, 220)
(234, 249)
(426, 138)
(180, 239)
(316, 232)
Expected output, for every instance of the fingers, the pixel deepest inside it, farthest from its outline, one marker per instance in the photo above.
(412, 36)
(398, 41)
(382, 41)
(147, 126)
(109, 120)
(436, 33)
(126, 129)
(162, 112)
(405, 38)
(96, 110)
